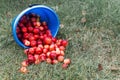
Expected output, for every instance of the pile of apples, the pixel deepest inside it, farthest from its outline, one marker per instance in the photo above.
(42, 46)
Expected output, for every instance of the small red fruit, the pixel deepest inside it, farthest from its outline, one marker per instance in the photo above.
(53, 55)
(54, 61)
(60, 58)
(47, 40)
(31, 38)
(30, 29)
(67, 61)
(31, 58)
(23, 69)
(36, 30)
(33, 43)
(48, 60)
(26, 35)
(24, 29)
(26, 51)
(64, 43)
(52, 47)
(38, 24)
(38, 50)
(64, 66)
(26, 42)
(31, 50)
(24, 63)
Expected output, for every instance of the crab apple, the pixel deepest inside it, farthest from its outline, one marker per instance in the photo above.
(48, 60)
(64, 66)
(64, 43)
(26, 51)
(40, 45)
(31, 58)
(44, 23)
(23, 69)
(38, 24)
(46, 27)
(47, 40)
(39, 42)
(26, 42)
(33, 43)
(36, 30)
(45, 50)
(41, 28)
(37, 56)
(46, 46)
(60, 58)
(31, 50)
(67, 61)
(62, 53)
(24, 29)
(41, 37)
(26, 35)
(36, 36)
(62, 48)
(53, 55)
(31, 38)
(48, 54)
(48, 32)
(52, 47)
(20, 25)
(54, 39)
(30, 29)
(38, 61)
(54, 61)
(25, 63)
(43, 57)
(38, 50)
(57, 51)
(58, 42)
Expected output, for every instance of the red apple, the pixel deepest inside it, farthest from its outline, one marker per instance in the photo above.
(31, 59)
(67, 61)
(31, 50)
(38, 50)
(23, 69)
(53, 55)
(48, 60)
(64, 66)
(54, 61)
(25, 63)
(24, 29)
(26, 35)
(36, 30)
(26, 42)
(33, 43)
(60, 58)
(64, 43)
(30, 29)
(47, 40)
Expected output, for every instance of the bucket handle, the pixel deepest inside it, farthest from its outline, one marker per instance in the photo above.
(31, 5)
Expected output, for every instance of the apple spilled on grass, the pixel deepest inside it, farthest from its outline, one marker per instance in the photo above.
(43, 47)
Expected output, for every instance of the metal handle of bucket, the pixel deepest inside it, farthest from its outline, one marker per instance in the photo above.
(31, 5)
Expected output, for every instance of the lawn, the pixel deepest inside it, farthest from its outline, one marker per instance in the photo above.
(92, 28)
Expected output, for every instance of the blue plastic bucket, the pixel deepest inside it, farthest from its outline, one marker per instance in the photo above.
(46, 14)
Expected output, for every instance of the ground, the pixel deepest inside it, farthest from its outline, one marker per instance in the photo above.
(92, 28)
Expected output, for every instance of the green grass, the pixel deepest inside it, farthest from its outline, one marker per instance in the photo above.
(92, 42)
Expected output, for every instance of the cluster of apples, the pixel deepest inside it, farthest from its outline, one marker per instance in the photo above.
(42, 46)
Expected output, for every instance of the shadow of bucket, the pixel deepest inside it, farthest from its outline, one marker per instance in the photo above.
(46, 14)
